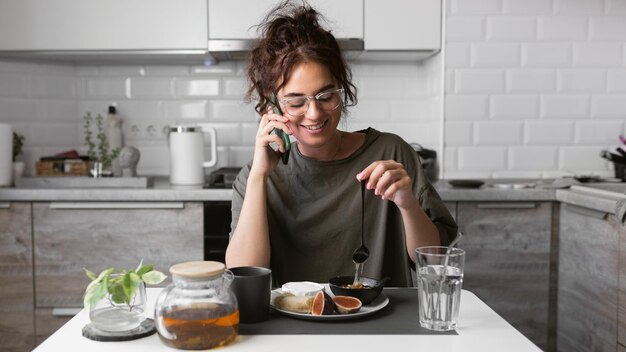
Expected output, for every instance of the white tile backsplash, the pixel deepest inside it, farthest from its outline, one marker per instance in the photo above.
(598, 54)
(546, 54)
(612, 106)
(151, 87)
(476, 7)
(597, 132)
(579, 7)
(565, 106)
(498, 133)
(514, 107)
(581, 80)
(616, 81)
(564, 88)
(180, 110)
(531, 81)
(463, 29)
(479, 81)
(511, 28)
(196, 87)
(495, 55)
(548, 132)
(527, 7)
(533, 88)
(532, 158)
(551, 28)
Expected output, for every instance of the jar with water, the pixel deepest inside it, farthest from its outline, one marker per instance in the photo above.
(107, 315)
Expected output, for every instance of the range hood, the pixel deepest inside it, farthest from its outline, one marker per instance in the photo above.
(237, 49)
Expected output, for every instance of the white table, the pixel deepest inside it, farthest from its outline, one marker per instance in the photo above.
(480, 329)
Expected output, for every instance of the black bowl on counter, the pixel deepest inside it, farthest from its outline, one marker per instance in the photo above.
(366, 295)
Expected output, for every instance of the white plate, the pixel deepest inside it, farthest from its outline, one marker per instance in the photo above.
(379, 303)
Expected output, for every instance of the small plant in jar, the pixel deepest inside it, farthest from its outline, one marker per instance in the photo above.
(98, 150)
(116, 299)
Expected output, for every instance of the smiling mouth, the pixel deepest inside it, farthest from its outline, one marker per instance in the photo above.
(315, 127)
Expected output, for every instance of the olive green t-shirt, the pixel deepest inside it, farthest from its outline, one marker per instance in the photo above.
(314, 214)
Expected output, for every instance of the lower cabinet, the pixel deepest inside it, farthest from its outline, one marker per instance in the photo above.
(621, 299)
(96, 235)
(16, 278)
(588, 280)
(508, 262)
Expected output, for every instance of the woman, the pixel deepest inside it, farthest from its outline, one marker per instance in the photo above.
(303, 218)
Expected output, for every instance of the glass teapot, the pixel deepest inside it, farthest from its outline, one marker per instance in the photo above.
(198, 310)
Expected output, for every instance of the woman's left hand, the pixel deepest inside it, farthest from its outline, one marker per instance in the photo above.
(389, 180)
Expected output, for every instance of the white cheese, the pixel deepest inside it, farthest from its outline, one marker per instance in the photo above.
(302, 288)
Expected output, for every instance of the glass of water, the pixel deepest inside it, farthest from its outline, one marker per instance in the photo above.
(439, 280)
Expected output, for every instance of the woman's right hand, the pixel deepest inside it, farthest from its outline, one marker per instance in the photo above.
(265, 158)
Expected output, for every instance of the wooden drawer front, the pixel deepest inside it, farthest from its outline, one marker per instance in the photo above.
(588, 271)
(16, 278)
(47, 322)
(68, 240)
(621, 312)
(507, 261)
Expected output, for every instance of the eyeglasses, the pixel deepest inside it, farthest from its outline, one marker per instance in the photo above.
(328, 100)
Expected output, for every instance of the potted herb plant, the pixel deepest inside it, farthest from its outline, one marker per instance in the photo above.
(18, 165)
(117, 299)
(98, 150)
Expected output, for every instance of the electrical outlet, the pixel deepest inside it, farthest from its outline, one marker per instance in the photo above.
(151, 131)
(133, 130)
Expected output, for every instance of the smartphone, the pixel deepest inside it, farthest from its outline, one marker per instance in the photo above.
(286, 141)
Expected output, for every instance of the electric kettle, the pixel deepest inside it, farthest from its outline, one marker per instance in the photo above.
(186, 144)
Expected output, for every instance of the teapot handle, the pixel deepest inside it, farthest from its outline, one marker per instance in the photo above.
(228, 277)
(213, 161)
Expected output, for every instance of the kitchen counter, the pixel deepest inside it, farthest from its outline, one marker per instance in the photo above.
(162, 191)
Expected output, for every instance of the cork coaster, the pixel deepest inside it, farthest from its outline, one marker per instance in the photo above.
(146, 328)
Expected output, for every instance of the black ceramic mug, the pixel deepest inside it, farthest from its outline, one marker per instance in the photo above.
(252, 286)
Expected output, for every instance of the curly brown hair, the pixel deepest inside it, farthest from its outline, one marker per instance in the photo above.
(291, 34)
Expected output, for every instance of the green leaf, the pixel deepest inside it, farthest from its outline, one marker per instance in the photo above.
(153, 277)
(94, 294)
(130, 284)
(90, 274)
(144, 269)
(117, 293)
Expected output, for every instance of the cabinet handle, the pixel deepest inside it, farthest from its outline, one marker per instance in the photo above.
(117, 205)
(65, 312)
(512, 205)
(5, 205)
(586, 211)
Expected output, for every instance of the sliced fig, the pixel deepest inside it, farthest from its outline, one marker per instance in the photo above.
(347, 304)
(322, 304)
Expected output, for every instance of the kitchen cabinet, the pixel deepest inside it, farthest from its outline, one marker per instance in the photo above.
(508, 261)
(33, 25)
(403, 25)
(345, 17)
(16, 277)
(621, 311)
(96, 235)
(588, 280)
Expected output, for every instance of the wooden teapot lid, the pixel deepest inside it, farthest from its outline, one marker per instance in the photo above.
(198, 269)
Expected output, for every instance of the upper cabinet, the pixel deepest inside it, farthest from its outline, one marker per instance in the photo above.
(78, 25)
(403, 25)
(173, 31)
(345, 17)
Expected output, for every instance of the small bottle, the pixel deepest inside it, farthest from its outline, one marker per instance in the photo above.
(114, 138)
